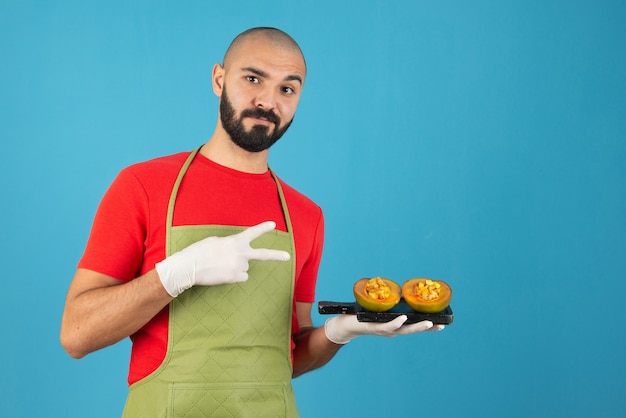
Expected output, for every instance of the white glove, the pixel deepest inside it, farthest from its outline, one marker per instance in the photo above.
(343, 328)
(216, 260)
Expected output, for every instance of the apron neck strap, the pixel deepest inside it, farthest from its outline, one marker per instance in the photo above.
(170, 207)
(172, 202)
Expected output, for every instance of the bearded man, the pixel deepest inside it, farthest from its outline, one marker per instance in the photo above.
(208, 261)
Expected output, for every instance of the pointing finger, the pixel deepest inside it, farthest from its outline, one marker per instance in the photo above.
(257, 230)
(267, 254)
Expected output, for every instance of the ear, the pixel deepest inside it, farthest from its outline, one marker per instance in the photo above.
(217, 78)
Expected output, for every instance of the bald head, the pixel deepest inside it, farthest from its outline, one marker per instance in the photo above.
(275, 37)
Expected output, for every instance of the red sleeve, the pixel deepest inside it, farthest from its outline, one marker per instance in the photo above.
(116, 243)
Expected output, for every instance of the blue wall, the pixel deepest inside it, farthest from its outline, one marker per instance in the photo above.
(482, 143)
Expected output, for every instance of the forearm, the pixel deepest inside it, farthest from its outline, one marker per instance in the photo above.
(312, 351)
(100, 311)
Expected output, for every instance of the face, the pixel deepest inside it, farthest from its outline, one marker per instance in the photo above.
(264, 85)
(259, 137)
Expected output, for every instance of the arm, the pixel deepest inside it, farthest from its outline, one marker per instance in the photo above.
(105, 303)
(313, 349)
(316, 346)
(101, 310)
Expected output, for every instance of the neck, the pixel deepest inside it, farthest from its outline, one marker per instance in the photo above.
(222, 150)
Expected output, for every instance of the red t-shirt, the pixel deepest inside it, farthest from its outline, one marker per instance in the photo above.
(128, 234)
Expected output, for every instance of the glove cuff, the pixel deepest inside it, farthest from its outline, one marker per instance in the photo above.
(168, 278)
(334, 335)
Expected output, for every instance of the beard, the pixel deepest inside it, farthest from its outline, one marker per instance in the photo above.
(259, 138)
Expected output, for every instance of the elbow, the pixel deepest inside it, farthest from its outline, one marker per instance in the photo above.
(72, 346)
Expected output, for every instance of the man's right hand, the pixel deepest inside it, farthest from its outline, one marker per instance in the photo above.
(341, 329)
(216, 260)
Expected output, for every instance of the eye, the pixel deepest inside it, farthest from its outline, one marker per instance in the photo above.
(288, 90)
(252, 79)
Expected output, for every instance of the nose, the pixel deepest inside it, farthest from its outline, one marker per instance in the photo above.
(265, 99)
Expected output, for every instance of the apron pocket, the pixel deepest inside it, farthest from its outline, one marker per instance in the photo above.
(238, 400)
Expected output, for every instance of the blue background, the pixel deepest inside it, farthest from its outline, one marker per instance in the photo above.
(482, 143)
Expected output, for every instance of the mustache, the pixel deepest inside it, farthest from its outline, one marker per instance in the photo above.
(261, 113)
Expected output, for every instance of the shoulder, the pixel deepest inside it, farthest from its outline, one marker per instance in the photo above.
(300, 201)
(168, 163)
(154, 172)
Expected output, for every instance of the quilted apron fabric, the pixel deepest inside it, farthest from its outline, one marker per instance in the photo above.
(228, 345)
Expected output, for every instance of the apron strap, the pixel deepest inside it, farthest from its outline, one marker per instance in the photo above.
(169, 220)
(283, 203)
(170, 207)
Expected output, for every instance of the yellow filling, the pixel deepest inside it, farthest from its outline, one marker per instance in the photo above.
(376, 288)
(427, 290)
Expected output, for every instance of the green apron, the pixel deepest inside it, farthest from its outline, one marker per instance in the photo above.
(229, 346)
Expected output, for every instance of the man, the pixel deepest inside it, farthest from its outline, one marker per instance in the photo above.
(208, 261)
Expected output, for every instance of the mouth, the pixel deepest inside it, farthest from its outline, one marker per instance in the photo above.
(261, 121)
(261, 117)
